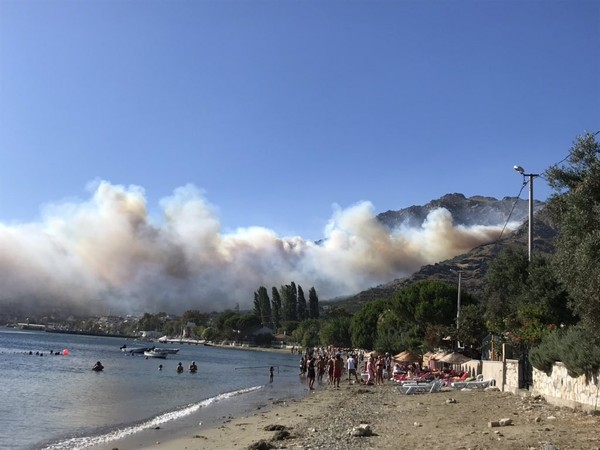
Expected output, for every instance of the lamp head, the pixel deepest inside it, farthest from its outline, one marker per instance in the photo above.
(519, 169)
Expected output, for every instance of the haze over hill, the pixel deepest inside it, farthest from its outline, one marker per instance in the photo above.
(472, 265)
(106, 255)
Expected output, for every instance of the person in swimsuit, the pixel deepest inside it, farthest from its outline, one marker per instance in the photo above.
(338, 366)
(311, 374)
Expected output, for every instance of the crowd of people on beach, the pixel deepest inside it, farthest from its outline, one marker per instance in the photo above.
(327, 363)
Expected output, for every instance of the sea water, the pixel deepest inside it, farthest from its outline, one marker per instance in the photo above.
(57, 402)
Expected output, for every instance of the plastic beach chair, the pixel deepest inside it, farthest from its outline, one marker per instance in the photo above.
(482, 384)
(424, 388)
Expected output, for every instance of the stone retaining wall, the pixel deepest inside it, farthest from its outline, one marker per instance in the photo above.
(511, 376)
(562, 390)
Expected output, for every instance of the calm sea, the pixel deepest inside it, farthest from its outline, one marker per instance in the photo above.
(57, 402)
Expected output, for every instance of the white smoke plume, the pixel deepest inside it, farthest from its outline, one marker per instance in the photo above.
(106, 255)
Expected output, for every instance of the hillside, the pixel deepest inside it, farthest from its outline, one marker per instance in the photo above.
(473, 264)
(467, 211)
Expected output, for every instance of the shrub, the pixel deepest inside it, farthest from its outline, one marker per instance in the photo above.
(578, 348)
(580, 351)
(544, 355)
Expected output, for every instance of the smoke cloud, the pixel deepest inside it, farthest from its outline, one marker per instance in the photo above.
(106, 255)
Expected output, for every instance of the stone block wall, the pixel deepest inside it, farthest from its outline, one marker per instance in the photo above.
(560, 389)
(511, 376)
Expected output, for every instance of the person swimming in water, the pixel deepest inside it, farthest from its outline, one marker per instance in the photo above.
(98, 367)
(193, 367)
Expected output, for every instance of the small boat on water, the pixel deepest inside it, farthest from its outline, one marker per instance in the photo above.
(155, 354)
(169, 351)
(126, 349)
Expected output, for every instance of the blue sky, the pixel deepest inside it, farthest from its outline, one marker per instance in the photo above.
(278, 110)
(154, 153)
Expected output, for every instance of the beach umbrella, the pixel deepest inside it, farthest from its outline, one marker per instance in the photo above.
(455, 358)
(436, 358)
(407, 357)
(439, 355)
(426, 357)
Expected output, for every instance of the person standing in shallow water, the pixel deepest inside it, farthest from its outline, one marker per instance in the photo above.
(179, 368)
(271, 372)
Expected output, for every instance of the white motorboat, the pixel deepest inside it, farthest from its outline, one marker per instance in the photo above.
(169, 351)
(126, 349)
(155, 354)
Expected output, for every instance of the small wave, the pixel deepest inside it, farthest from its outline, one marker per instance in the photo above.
(88, 441)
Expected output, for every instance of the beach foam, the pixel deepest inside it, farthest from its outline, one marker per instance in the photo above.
(88, 441)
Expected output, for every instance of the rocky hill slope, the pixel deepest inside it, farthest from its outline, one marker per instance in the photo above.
(466, 211)
(472, 265)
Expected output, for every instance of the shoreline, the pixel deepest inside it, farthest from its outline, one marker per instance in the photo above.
(326, 417)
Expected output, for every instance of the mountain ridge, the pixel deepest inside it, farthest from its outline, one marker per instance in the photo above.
(474, 264)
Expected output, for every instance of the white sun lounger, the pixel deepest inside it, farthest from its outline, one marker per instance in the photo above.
(481, 384)
(423, 388)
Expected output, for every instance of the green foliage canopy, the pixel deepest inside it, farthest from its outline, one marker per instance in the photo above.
(576, 209)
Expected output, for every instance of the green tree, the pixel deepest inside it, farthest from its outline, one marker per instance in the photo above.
(275, 308)
(424, 310)
(524, 298)
(224, 325)
(193, 315)
(307, 333)
(257, 305)
(337, 311)
(289, 326)
(545, 291)
(504, 282)
(247, 324)
(472, 328)
(576, 208)
(301, 307)
(313, 303)
(428, 302)
(389, 333)
(336, 332)
(149, 322)
(289, 302)
(363, 326)
(209, 334)
(264, 305)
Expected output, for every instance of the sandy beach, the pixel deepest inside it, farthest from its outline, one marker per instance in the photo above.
(326, 418)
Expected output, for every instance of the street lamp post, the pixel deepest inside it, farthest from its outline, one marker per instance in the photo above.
(458, 300)
(531, 176)
(459, 272)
